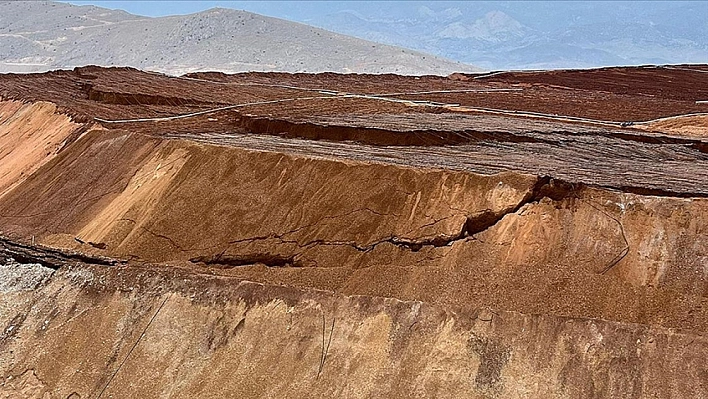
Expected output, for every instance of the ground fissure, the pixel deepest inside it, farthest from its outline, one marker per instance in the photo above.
(455, 224)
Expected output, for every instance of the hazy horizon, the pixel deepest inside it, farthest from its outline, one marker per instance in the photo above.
(495, 35)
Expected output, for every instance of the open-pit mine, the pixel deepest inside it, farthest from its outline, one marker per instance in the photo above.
(501, 235)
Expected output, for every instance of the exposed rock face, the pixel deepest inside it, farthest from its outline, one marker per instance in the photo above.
(22, 277)
(130, 332)
(253, 262)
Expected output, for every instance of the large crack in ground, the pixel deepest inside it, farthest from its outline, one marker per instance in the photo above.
(48, 257)
(227, 261)
(474, 224)
(545, 186)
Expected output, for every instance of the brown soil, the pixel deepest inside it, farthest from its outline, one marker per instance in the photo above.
(505, 205)
(687, 126)
(151, 332)
(612, 94)
(30, 135)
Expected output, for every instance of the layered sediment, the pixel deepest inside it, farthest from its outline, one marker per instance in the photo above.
(427, 237)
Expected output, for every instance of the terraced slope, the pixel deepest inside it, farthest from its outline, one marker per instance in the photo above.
(355, 237)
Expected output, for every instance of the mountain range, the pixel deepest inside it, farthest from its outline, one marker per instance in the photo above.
(40, 36)
(520, 34)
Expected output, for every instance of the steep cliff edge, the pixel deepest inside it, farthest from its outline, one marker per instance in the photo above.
(532, 256)
(509, 241)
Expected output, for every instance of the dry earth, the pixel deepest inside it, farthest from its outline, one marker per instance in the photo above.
(505, 235)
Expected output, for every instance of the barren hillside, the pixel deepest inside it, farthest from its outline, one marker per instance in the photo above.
(506, 235)
(40, 36)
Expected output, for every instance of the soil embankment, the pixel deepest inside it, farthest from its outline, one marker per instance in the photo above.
(134, 332)
(531, 256)
(30, 135)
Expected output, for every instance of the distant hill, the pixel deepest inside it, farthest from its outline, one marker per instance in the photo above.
(40, 36)
(521, 34)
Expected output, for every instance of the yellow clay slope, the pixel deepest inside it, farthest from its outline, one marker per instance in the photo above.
(30, 135)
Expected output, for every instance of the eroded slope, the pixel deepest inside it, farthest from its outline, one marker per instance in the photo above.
(384, 230)
(574, 248)
(126, 332)
(30, 135)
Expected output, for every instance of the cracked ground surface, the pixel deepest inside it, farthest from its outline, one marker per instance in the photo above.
(549, 221)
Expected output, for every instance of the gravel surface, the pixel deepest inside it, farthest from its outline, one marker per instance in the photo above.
(16, 276)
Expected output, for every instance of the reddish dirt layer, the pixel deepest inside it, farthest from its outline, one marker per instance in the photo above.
(127, 93)
(357, 83)
(607, 94)
(680, 82)
(579, 226)
(507, 241)
(531, 96)
(578, 102)
(111, 160)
